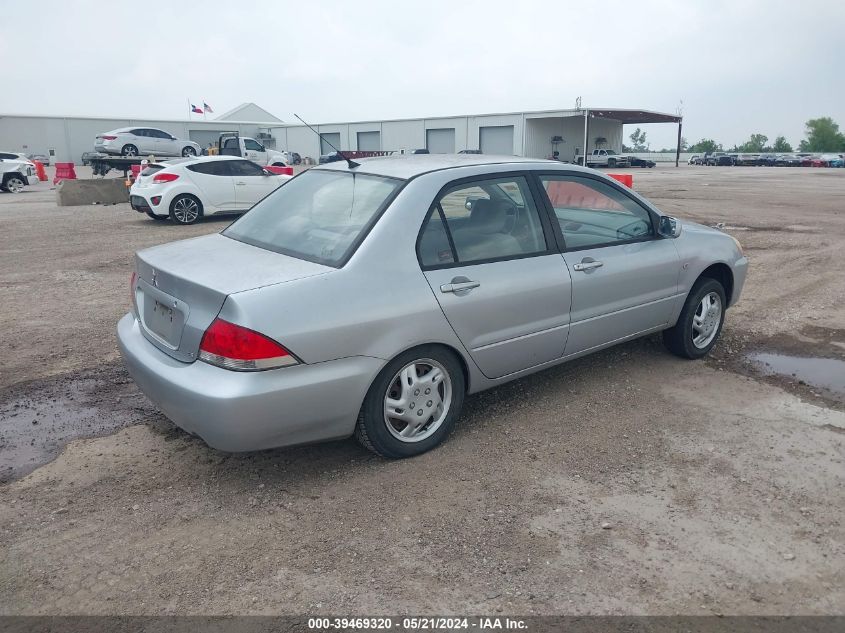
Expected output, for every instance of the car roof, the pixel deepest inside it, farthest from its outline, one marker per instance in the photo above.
(407, 166)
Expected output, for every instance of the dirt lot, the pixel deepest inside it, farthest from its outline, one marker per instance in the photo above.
(722, 488)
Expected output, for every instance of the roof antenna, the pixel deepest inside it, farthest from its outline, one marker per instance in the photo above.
(352, 164)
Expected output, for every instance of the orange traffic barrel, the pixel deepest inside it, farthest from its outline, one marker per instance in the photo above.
(40, 171)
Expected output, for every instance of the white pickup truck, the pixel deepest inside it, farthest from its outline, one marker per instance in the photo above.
(231, 144)
(16, 174)
(603, 158)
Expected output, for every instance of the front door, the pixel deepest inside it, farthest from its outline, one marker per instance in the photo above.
(251, 183)
(216, 183)
(490, 263)
(624, 276)
(254, 151)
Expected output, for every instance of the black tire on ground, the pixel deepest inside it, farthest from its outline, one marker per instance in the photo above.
(13, 184)
(611, 162)
(679, 339)
(189, 151)
(129, 150)
(155, 216)
(185, 209)
(371, 430)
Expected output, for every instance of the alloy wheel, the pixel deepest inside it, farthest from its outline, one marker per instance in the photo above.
(186, 210)
(14, 185)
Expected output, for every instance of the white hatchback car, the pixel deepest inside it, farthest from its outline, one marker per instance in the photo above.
(142, 141)
(187, 189)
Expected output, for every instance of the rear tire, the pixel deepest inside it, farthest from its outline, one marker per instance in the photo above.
(129, 150)
(389, 425)
(185, 209)
(701, 320)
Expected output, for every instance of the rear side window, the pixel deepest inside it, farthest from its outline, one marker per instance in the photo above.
(212, 168)
(482, 221)
(320, 216)
(244, 168)
(138, 132)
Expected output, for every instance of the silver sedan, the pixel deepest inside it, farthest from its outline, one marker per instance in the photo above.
(370, 299)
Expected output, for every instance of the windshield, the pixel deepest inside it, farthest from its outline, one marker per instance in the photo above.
(319, 216)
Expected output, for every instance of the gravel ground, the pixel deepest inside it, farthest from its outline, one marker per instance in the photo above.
(626, 482)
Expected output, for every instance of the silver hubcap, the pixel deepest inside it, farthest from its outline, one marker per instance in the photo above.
(14, 185)
(186, 210)
(188, 152)
(705, 321)
(417, 400)
(130, 151)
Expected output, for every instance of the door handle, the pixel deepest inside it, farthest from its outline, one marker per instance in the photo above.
(461, 285)
(586, 265)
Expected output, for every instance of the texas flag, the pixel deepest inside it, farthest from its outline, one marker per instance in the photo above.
(196, 109)
(207, 107)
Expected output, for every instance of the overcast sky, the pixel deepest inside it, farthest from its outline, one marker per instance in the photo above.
(738, 66)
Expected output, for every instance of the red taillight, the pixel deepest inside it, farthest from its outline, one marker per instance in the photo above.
(108, 138)
(165, 177)
(234, 347)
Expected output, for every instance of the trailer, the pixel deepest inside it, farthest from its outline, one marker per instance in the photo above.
(101, 164)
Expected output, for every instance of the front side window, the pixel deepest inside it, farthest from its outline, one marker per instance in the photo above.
(482, 221)
(319, 216)
(252, 145)
(592, 213)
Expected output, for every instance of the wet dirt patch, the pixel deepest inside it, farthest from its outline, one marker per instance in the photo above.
(38, 418)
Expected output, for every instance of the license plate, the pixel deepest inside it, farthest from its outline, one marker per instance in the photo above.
(160, 320)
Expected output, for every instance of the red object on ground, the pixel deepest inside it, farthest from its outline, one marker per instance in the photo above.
(40, 171)
(284, 171)
(64, 171)
(625, 179)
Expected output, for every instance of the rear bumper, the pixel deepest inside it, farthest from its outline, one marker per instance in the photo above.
(247, 411)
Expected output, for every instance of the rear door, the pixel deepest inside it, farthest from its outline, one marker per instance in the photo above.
(489, 258)
(216, 184)
(251, 183)
(624, 277)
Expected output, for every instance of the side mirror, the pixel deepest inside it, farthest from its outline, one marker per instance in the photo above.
(669, 226)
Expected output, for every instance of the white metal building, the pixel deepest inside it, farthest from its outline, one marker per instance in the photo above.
(532, 134)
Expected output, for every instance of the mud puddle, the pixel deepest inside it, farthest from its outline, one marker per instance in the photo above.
(826, 374)
(39, 418)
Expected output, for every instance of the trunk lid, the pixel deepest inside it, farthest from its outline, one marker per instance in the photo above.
(182, 285)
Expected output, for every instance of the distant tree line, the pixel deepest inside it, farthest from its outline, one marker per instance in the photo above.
(822, 134)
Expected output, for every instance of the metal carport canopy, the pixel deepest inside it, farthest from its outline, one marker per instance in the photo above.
(636, 116)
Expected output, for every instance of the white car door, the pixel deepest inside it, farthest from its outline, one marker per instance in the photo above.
(252, 183)
(166, 145)
(215, 185)
(255, 151)
(141, 139)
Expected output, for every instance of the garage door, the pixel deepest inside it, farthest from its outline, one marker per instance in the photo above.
(496, 139)
(369, 141)
(440, 140)
(331, 137)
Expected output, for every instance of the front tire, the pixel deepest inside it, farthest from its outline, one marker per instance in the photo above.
(189, 152)
(14, 184)
(185, 209)
(413, 403)
(701, 320)
(611, 163)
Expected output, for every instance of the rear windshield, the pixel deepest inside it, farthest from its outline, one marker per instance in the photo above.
(320, 216)
(149, 170)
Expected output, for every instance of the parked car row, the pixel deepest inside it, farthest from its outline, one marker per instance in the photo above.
(768, 159)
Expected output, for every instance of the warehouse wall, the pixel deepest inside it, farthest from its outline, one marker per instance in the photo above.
(69, 137)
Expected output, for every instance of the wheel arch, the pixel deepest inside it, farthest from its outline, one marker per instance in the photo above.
(722, 273)
(446, 346)
(178, 195)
